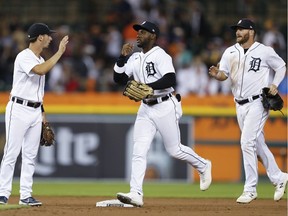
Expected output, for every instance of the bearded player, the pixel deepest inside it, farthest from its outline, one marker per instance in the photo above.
(248, 64)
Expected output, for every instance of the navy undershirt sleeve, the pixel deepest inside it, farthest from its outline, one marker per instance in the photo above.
(168, 80)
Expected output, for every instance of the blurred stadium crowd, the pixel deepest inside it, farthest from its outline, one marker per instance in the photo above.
(194, 42)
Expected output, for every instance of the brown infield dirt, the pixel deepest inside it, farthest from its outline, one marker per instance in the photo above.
(86, 206)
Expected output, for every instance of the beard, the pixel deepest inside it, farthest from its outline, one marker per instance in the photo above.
(142, 43)
(243, 39)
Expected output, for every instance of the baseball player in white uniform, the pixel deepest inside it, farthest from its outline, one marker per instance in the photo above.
(25, 112)
(248, 63)
(153, 66)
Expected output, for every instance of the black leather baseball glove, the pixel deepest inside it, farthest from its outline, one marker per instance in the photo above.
(271, 102)
(47, 135)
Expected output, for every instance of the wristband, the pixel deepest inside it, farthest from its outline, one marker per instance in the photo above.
(121, 61)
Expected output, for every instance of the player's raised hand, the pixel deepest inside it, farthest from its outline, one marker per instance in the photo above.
(63, 43)
(127, 49)
(216, 73)
(213, 71)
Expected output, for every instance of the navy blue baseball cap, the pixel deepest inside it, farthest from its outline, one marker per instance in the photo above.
(148, 26)
(38, 29)
(245, 24)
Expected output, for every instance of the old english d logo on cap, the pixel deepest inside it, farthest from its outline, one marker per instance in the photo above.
(245, 24)
(148, 26)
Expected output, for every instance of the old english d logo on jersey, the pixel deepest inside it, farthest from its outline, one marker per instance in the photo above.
(150, 69)
(255, 64)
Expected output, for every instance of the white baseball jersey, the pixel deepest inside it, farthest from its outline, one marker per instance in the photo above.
(27, 84)
(249, 73)
(162, 117)
(150, 67)
(23, 125)
(244, 68)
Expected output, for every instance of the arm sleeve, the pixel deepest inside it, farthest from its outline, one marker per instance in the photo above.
(119, 66)
(121, 60)
(27, 63)
(224, 64)
(279, 75)
(168, 80)
(278, 65)
(120, 78)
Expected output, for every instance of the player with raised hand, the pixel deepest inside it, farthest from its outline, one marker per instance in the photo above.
(160, 109)
(248, 64)
(25, 112)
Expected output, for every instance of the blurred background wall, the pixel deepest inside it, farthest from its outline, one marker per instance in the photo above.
(80, 89)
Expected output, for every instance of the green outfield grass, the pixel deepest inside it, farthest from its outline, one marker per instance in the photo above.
(151, 189)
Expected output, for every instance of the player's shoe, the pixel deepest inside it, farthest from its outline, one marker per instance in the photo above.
(206, 177)
(280, 188)
(3, 200)
(30, 201)
(247, 197)
(133, 198)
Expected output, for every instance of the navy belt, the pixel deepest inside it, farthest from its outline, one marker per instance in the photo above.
(26, 102)
(157, 100)
(241, 102)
